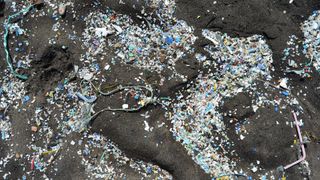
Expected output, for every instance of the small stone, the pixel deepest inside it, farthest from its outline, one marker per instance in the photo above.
(34, 128)
(37, 2)
(162, 58)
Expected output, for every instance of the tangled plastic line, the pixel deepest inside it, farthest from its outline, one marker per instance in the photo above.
(5, 42)
(148, 100)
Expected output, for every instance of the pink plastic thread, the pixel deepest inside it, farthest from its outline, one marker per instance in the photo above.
(301, 144)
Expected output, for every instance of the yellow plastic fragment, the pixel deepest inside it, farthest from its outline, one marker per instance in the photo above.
(49, 152)
(215, 86)
(50, 94)
(223, 178)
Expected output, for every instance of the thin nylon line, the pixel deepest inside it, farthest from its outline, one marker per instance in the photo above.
(5, 42)
(148, 100)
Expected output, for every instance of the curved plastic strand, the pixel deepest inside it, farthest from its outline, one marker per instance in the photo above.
(5, 42)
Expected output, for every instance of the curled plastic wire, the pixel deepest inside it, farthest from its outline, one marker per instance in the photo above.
(5, 42)
(150, 99)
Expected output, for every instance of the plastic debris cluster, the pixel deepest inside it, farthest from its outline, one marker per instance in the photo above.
(308, 47)
(196, 119)
(165, 10)
(12, 94)
(311, 32)
(104, 167)
(149, 46)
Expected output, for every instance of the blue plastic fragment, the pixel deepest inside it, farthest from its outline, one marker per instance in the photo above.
(315, 12)
(178, 39)
(86, 152)
(149, 170)
(18, 31)
(285, 93)
(60, 86)
(3, 135)
(136, 97)
(97, 67)
(253, 150)
(139, 50)
(169, 40)
(90, 99)
(261, 66)
(252, 50)
(39, 166)
(69, 96)
(209, 107)
(26, 99)
(19, 64)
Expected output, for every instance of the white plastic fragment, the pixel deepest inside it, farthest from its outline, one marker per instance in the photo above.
(118, 28)
(86, 74)
(125, 106)
(103, 32)
(146, 126)
(283, 83)
(107, 67)
(72, 143)
(62, 9)
(254, 169)
(242, 137)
